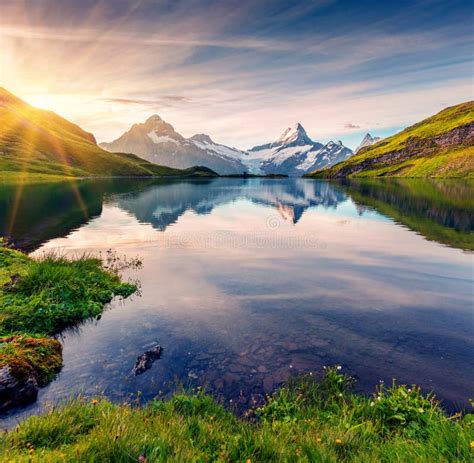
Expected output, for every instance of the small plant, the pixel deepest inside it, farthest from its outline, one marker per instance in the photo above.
(404, 410)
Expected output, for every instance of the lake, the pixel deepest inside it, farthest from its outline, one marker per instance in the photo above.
(246, 282)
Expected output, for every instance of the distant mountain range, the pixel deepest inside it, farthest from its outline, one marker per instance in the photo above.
(38, 142)
(294, 153)
(439, 146)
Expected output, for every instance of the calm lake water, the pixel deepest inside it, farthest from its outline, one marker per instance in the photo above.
(248, 281)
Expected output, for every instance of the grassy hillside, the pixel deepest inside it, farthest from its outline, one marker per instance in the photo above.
(37, 143)
(440, 146)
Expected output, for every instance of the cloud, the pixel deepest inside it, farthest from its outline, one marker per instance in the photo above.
(351, 126)
(165, 100)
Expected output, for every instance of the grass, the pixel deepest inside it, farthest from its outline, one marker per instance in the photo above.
(304, 421)
(41, 297)
(425, 160)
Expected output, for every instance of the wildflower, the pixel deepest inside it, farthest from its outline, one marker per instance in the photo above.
(248, 460)
(338, 441)
(94, 401)
(472, 444)
(31, 451)
(298, 452)
(372, 403)
(142, 459)
(339, 367)
(318, 440)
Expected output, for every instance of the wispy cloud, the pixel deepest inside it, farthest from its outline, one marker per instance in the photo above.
(351, 126)
(165, 100)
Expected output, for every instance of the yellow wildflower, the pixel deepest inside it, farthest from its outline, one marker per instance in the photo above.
(338, 441)
(318, 440)
(94, 401)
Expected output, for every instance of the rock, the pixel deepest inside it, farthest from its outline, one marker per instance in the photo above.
(268, 385)
(17, 390)
(13, 281)
(146, 360)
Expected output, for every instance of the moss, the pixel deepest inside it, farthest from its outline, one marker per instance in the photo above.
(23, 354)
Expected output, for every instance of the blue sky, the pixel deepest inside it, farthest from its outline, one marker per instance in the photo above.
(241, 71)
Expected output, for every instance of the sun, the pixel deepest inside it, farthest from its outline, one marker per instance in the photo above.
(51, 102)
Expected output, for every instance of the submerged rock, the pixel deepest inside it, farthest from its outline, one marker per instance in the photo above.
(146, 360)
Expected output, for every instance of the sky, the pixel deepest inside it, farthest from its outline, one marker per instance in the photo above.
(241, 71)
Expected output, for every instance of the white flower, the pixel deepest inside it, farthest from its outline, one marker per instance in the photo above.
(339, 367)
(372, 404)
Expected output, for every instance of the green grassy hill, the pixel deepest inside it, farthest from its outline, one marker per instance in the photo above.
(36, 142)
(440, 146)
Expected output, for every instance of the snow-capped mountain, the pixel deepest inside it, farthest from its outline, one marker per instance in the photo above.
(294, 153)
(156, 141)
(367, 141)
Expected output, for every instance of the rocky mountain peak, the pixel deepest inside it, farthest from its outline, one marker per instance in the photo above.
(294, 136)
(368, 140)
(202, 138)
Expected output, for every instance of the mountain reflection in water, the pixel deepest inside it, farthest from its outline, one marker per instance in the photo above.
(440, 210)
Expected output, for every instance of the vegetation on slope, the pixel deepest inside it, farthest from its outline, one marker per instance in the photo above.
(36, 142)
(305, 421)
(439, 146)
(39, 298)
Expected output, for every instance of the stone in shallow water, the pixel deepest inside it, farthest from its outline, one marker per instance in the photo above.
(17, 392)
(146, 360)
